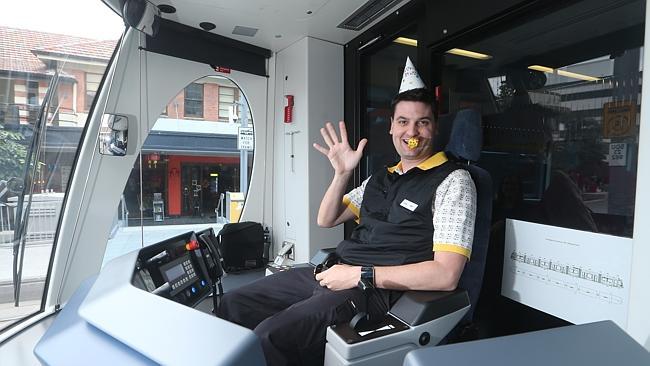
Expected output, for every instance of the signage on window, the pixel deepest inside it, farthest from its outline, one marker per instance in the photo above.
(619, 119)
(617, 154)
(245, 139)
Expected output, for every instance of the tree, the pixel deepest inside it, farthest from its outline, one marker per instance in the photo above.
(12, 154)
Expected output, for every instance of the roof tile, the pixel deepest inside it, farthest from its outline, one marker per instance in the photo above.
(19, 48)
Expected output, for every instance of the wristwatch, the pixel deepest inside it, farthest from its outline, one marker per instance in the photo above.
(368, 275)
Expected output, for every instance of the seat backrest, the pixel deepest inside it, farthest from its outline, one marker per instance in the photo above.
(465, 142)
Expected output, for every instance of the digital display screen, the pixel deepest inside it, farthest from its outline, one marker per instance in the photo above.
(175, 272)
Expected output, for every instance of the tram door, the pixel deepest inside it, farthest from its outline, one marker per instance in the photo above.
(199, 190)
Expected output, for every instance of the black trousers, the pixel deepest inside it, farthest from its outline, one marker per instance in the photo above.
(290, 312)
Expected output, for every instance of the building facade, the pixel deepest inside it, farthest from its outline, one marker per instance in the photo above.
(192, 155)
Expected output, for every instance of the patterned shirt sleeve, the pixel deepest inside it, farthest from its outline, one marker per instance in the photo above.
(353, 199)
(454, 211)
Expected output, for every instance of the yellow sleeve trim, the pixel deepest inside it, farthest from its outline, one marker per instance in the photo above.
(355, 210)
(442, 247)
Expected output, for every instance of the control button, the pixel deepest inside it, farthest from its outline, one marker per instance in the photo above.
(202, 283)
(193, 289)
(192, 245)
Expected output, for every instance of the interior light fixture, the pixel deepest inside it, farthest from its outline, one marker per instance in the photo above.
(470, 54)
(406, 41)
(568, 74)
(453, 51)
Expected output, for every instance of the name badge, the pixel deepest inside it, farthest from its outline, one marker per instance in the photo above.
(409, 205)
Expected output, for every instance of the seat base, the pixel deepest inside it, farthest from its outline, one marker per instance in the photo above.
(388, 343)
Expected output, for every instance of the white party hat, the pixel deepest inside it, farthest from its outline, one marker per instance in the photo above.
(410, 78)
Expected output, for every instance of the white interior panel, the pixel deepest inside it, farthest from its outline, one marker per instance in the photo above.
(146, 85)
(312, 71)
(638, 323)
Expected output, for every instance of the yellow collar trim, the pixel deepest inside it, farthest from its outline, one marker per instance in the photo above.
(432, 162)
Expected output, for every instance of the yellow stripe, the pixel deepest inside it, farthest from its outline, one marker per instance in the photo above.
(355, 210)
(432, 162)
(454, 248)
(393, 168)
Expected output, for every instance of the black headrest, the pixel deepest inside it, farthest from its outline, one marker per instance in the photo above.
(466, 138)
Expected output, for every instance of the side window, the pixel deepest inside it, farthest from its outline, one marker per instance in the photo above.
(560, 118)
(191, 174)
(381, 75)
(43, 66)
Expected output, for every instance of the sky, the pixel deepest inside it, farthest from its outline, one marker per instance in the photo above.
(82, 18)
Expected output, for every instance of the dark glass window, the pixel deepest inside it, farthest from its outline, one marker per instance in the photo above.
(194, 100)
(381, 75)
(32, 92)
(92, 84)
(560, 108)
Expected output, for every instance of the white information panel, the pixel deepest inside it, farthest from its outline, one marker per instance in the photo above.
(245, 138)
(574, 275)
(617, 154)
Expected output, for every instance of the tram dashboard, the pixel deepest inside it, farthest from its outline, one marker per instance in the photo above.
(181, 268)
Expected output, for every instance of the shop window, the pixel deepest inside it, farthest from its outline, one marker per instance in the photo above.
(193, 102)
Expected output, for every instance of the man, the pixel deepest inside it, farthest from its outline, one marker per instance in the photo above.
(400, 211)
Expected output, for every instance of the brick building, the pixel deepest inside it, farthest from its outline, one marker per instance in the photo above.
(194, 139)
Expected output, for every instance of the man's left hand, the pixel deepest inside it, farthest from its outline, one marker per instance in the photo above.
(339, 277)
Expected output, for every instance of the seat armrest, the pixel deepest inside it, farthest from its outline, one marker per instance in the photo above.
(417, 307)
(322, 255)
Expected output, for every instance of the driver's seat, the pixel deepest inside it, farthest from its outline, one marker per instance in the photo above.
(427, 318)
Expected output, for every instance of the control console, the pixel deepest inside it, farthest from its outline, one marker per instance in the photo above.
(175, 269)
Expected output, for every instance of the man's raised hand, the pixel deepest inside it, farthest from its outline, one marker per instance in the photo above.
(342, 157)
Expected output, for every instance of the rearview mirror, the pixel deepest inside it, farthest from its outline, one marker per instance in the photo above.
(113, 135)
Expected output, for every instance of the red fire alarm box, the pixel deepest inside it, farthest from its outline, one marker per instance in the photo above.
(288, 109)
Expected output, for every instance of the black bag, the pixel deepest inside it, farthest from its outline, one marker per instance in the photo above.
(242, 246)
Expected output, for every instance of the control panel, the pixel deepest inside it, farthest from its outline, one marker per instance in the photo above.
(179, 273)
(175, 269)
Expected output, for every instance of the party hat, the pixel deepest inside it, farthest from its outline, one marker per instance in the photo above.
(410, 78)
